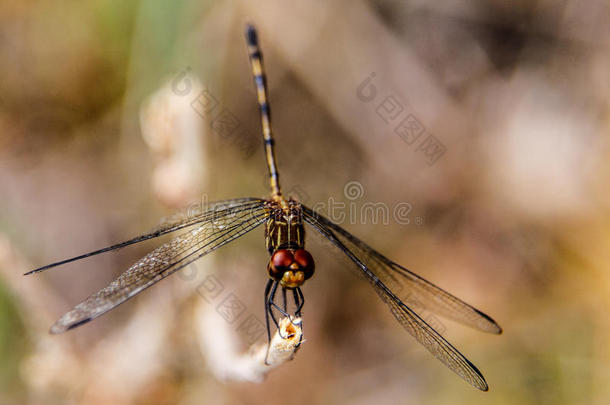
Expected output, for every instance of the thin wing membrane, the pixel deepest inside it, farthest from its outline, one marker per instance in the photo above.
(417, 327)
(212, 212)
(409, 287)
(163, 261)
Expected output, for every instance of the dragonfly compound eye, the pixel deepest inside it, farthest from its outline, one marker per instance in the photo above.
(280, 262)
(305, 261)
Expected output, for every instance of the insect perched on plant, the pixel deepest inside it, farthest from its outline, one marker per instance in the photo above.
(290, 264)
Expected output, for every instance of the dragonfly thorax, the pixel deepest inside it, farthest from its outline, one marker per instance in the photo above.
(284, 228)
(291, 267)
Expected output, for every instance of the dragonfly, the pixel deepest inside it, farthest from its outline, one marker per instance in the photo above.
(290, 265)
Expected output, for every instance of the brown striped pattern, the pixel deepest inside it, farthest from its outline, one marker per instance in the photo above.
(260, 80)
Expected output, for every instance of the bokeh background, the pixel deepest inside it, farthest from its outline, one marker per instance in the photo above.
(104, 132)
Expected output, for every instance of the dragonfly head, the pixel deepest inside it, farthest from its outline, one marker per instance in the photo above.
(291, 267)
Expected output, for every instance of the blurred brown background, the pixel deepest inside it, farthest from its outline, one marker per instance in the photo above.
(509, 212)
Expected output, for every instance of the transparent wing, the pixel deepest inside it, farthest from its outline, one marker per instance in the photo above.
(417, 327)
(163, 261)
(408, 286)
(211, 212)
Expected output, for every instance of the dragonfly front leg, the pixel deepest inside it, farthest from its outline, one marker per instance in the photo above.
(284, 298)
(270, 290)
(267, 290)
(299, 301)
(270, 304)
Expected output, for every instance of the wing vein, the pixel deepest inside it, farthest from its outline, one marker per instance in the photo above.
(410, 320)
(160, 263)
(210, 214)
(411, 287)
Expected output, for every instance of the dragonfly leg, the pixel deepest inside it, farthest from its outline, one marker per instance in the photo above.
(276, 306)
(299, 300)
(271, 304)
(267, 308)
(284, 298)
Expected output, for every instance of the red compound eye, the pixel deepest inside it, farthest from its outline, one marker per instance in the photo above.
(282, 258)
(305, 261)
(280, 262)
